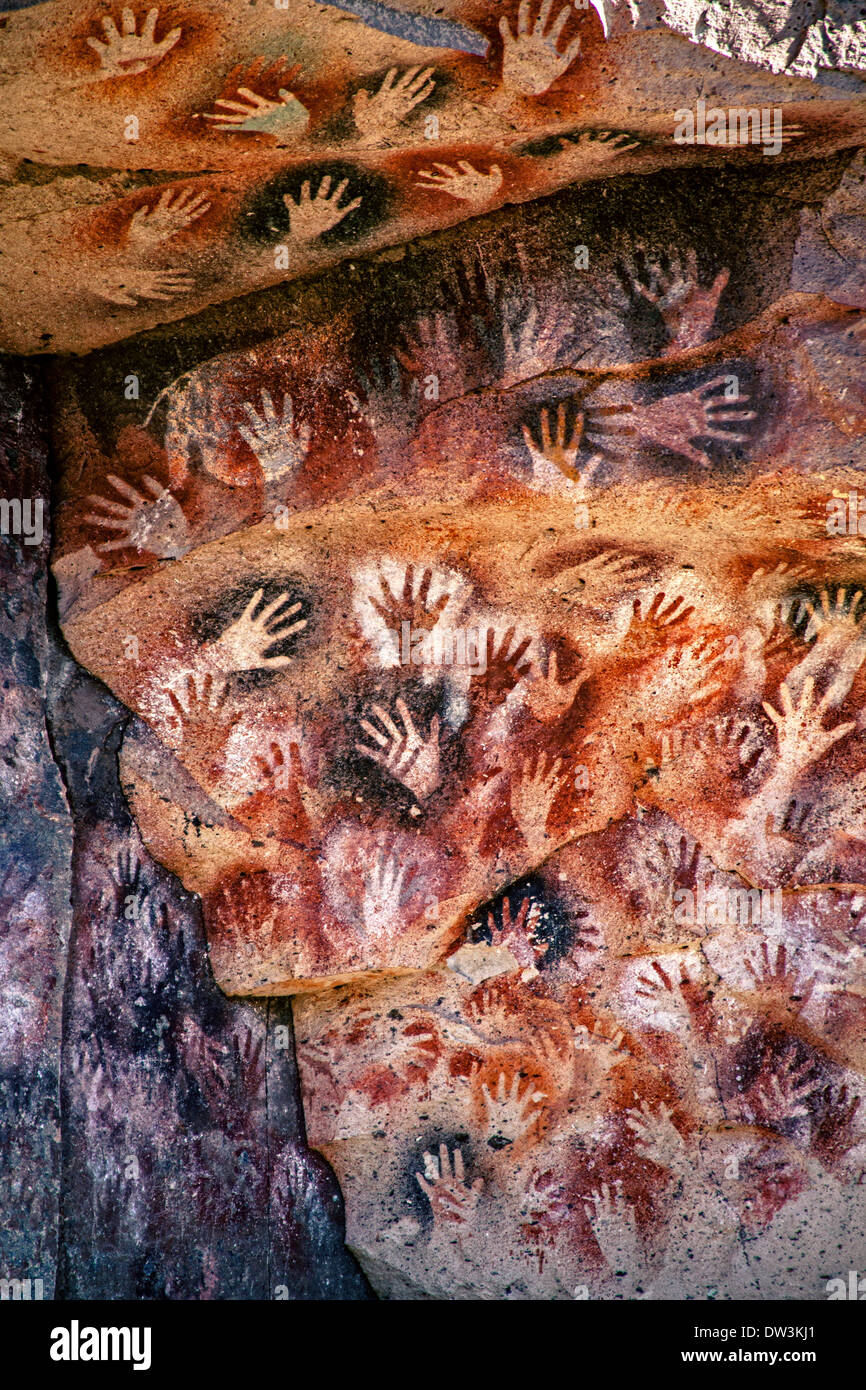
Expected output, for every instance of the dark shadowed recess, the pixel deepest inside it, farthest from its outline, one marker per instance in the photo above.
(265, 216)
(741, 218)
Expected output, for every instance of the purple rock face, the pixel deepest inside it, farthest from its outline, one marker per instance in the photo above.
(433, 793)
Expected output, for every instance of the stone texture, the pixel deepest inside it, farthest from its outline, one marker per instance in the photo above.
(35, 872)
(482, 587)
(153, 1145)
(191, 211)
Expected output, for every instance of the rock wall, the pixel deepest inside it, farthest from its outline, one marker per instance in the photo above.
(451, 668)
